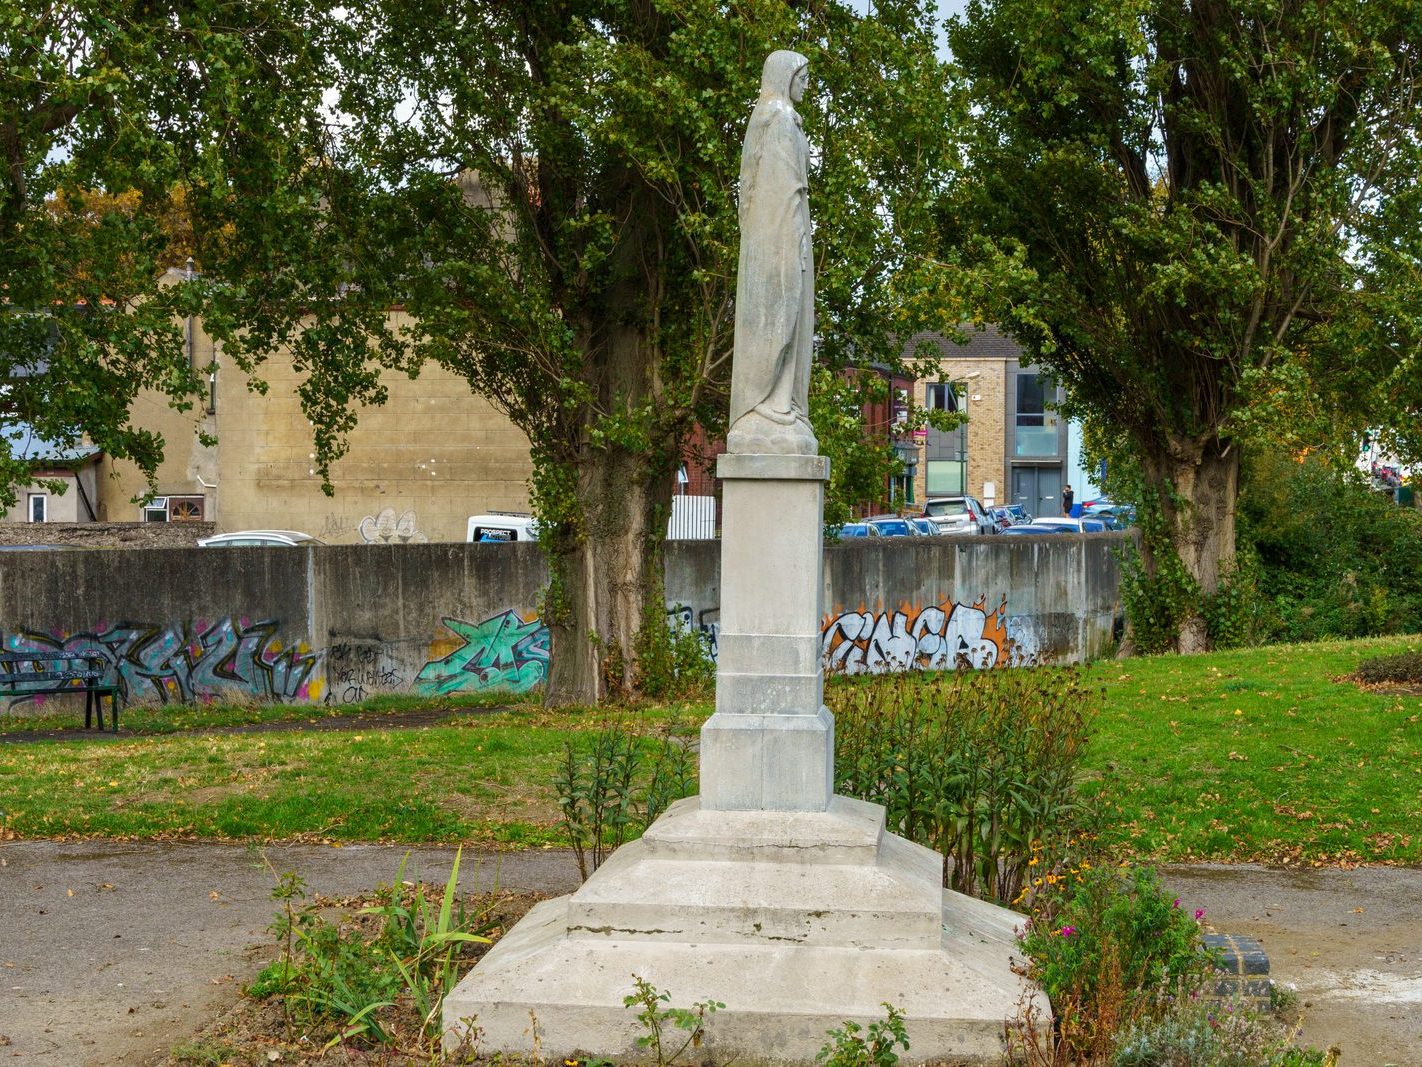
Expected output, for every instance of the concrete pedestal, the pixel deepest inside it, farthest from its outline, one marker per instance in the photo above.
(770, 744)
(796, 921)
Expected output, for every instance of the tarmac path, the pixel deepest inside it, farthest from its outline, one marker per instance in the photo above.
(112, 952)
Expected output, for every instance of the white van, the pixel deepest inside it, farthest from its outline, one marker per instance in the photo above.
(501, 526)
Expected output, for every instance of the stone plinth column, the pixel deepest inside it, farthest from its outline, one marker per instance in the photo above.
(770, 744)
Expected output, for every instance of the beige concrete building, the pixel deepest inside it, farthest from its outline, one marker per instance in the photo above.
(417, 468)
(1013, 448)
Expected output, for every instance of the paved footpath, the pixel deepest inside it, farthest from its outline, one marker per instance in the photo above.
(112, 952)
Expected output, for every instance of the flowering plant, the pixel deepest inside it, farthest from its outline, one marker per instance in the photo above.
(1114, 948)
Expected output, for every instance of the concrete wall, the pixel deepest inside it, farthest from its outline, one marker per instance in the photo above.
(343, 622)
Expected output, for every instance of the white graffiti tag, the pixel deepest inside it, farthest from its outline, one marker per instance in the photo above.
(933, 639)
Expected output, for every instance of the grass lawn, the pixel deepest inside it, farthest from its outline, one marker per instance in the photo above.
(1258, 754)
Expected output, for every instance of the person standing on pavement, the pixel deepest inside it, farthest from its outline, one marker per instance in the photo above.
(1067, 497)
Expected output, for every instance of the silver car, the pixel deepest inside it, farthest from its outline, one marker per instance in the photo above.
(962, 514)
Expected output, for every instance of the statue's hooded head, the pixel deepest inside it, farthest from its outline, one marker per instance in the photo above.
(779, 73)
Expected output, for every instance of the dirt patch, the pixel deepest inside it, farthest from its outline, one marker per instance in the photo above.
(1347, 942)
(513, 807)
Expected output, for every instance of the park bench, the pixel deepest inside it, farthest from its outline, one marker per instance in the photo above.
(57, 671)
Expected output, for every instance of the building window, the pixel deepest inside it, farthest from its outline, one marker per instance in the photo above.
(945, 476)
(185, 508)
(1036, 430)
(941, 396)
(946, 455)
(174, 509)
(39, 507)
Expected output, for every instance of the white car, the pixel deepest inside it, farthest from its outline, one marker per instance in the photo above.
(259, 539)
(502, 526)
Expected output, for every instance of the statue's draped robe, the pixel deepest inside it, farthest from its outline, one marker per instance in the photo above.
(775, 286)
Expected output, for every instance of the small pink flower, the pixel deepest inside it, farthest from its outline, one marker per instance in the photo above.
(1067, 931)
(1177, 903)
(1199, 914)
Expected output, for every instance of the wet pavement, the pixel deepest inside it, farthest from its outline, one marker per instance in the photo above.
(111, 952)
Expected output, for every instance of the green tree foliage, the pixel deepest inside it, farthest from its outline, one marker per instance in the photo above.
(1202, 218)
(1336, 557)
(548, 189)
(105, 110)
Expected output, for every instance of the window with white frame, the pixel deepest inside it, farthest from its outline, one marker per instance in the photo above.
(39, 507)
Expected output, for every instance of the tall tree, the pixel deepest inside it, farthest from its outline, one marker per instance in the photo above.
(102, 107)
(1200, 215)
(548, 188)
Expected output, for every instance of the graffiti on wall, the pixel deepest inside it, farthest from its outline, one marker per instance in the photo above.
(706, 622)
(387, 528)
(505, 651)
(356, 670)
(934, 638)
(199, 660)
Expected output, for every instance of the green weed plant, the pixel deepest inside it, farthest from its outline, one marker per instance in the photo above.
(853, 1045)
(615, 783)
(661, 1021)
(982, 766)
(334, 973)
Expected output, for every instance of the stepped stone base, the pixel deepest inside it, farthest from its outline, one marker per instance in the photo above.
(796, 921)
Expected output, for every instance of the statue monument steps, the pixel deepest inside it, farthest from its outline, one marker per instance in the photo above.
(795, 921)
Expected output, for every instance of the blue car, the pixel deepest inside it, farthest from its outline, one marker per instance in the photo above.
(857, 529)
(891, 527)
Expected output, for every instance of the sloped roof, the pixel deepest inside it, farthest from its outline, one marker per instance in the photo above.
(984, 342)
(25, 444)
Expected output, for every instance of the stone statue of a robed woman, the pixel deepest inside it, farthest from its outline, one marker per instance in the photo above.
(775, 288)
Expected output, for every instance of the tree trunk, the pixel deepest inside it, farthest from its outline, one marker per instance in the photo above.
(604, 579)
(1204, 475)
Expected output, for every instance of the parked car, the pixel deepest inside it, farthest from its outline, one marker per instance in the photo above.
(1067, 525)
(1022, 529)
(501, 526)
(1116, 516)
(962, 514)
(259, 539)
(927, 527)
(857, 529)
(892, 526)
(1018, 513)
(1003, 518)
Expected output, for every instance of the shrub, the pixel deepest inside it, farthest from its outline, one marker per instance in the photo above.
(616, 783)
(1402, 668)
(1197, 1034)
(1114, 951)
(1337, 559)
(980, 765)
